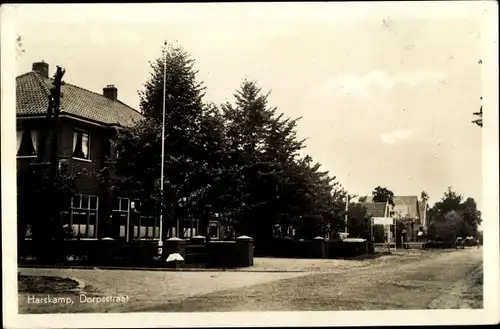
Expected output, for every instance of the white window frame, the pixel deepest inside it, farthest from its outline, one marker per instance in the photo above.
(89, 209)
(124, 211)
(216, 224)
(35, 143)
(81, 131)
(156, 228)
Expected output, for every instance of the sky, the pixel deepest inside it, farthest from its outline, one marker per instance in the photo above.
(385, 92)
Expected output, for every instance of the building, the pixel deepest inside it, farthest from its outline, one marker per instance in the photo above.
(410, 210)
(88, 123)
(376, 209)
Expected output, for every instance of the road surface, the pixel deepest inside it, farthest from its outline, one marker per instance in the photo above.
(418, 280)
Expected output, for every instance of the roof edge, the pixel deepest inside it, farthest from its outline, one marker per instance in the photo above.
(67, 115)
(40, 81)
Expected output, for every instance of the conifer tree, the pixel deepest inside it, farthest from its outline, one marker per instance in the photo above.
(187, 139)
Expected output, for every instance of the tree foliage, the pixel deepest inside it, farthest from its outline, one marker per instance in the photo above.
(194, 143)
(424, 197)
(453, 217)
(382, 194)
(277, 187)
(358, 221)
(240, 160)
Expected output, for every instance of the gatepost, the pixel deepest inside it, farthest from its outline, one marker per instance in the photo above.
(244, 251)
(175, 245)
(199, 239)
(319, 247)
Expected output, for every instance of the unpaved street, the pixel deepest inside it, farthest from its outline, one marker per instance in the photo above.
(405, 280)
(421, 284)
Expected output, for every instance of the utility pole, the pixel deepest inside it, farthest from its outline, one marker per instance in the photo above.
(51, 122)
(479, 121)
(55, 94)
(346, 212)
(45, 169)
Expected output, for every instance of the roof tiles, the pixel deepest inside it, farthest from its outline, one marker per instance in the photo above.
(32, 92)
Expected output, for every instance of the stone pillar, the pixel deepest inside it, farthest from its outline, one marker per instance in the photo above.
(244, 251)
(174, 245)
(319, 246)
(199, 239)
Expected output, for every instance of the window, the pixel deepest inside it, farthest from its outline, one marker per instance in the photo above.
(147, 228)
(213, 230)
(83, 216)
(81, 145)
(189, 232)
(27, 143)
(121, 216)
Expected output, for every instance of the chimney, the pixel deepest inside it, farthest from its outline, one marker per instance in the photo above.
(110, 92)
(41, 68)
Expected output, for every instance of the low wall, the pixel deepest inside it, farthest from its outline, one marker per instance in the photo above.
(414, 245)
(236, 253)
(316, 248)
(439, 245)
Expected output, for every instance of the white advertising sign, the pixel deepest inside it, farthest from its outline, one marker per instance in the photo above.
(383, 221)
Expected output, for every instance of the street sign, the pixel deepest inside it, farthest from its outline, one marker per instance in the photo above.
(383, 221)
(160, 247)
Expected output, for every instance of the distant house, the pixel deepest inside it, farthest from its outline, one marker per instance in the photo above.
(408, 209)
(89, 122)
(376, 209)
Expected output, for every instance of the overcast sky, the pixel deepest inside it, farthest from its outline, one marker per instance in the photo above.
(386, 93)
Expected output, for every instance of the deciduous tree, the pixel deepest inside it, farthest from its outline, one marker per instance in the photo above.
(382, 194)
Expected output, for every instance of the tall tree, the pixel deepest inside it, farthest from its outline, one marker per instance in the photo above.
(252, 129)
(382, 194)
(275, 186)
(184, 93)
(189, 138)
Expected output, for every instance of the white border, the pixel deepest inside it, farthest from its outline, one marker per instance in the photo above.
(427, 10)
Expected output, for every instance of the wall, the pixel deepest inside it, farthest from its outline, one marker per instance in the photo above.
(99, 149)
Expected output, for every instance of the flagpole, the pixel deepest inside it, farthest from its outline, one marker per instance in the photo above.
(346, 210)
(163, 143)
(347, 203)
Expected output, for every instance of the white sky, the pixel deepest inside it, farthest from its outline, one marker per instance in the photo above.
(386, 92)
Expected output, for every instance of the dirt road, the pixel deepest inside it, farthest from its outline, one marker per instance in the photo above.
(406, 280)
(445, 280)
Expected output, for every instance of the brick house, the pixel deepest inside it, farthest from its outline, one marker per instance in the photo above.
(88, 123)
